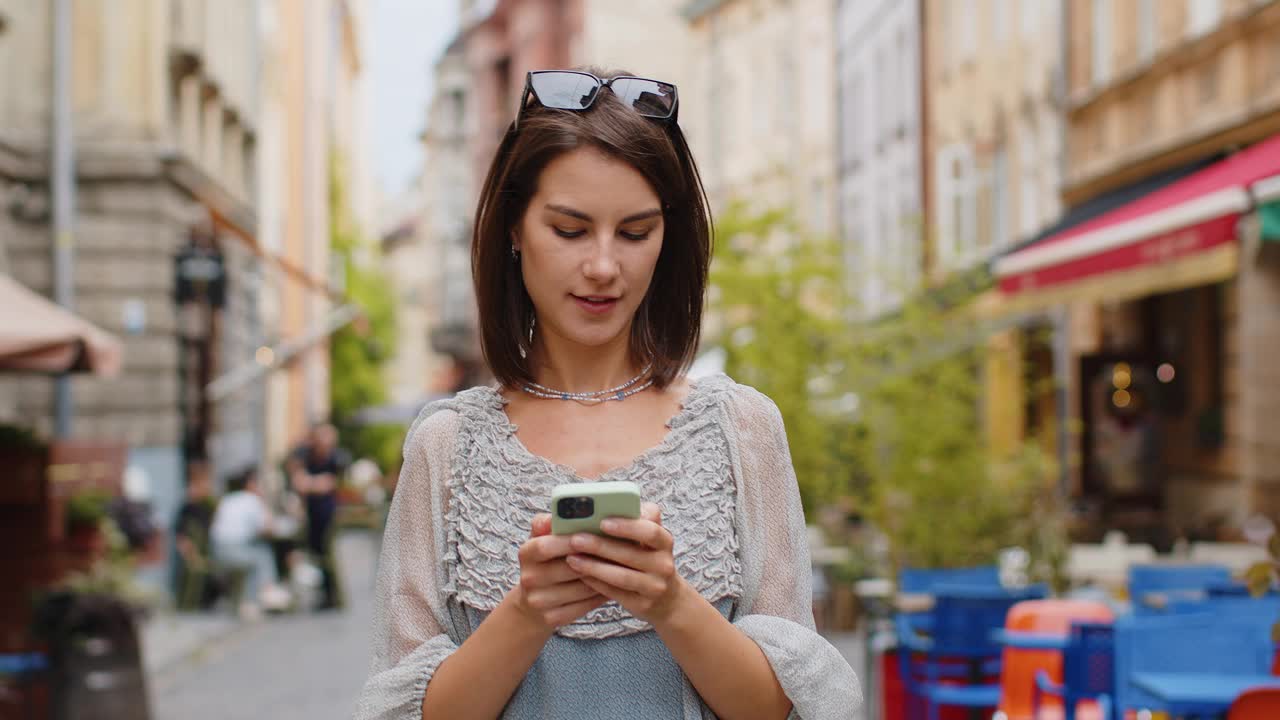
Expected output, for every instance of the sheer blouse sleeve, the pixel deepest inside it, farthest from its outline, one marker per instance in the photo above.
(412, 631)
(776, 610)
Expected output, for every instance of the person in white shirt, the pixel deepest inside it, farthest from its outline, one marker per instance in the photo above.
(240, 524)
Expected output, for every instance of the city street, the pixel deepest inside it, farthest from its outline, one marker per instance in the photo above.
(304, 666)
(308, 667)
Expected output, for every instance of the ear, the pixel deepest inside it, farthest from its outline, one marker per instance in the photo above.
(515, 240)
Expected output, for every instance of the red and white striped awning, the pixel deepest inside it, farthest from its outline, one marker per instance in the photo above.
(1194, 215)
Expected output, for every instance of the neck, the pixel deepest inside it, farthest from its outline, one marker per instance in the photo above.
(570, 367)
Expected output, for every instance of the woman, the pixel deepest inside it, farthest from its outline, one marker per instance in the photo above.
(590, 257)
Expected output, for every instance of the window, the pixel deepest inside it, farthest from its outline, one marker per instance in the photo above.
(1147, 30)
(1101, 59)
(786, 107)
(1029, 18)
(1000, 198)
(1203, 16)
(957, 206)
(968, 28)
(1028, 182)
(852, 114)
(906, 94)
(1002, 11)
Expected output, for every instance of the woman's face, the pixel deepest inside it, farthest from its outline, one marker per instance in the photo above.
(589, 241)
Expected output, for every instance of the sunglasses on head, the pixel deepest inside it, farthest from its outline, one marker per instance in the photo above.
(576, 90)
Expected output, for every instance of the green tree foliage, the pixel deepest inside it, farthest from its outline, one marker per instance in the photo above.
(360, 350)
(778, 294)
(888, 412)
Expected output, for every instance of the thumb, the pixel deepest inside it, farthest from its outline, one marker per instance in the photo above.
(540, 526)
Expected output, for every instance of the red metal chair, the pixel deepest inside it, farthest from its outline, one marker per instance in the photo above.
(1043, 620)
(1256, 704)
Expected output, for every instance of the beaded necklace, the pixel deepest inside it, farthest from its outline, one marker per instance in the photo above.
(620, 392)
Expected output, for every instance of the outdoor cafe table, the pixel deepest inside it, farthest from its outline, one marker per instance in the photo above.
(1202, 694)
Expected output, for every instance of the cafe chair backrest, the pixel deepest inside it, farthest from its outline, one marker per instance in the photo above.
(1174, 580)
(916, 580)
(965, 618)
(1088, 666)
(1190, 643)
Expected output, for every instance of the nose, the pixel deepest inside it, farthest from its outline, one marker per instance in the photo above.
(602, 263)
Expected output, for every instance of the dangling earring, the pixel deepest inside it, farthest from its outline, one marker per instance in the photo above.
(515, 254)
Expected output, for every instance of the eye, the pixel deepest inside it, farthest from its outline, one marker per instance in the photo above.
(635, 236)
(569, 234)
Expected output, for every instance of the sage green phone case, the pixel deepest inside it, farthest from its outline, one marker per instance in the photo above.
(571, 502)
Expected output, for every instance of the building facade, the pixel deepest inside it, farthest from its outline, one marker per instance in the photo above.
(993, 130)
(1173, 116)
(762, 123)
(165, 125)
(312, 154)
(880, 153)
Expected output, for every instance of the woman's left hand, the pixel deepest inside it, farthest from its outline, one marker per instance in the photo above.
(635, 566)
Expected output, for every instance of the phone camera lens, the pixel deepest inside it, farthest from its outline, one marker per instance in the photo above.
(575, 507)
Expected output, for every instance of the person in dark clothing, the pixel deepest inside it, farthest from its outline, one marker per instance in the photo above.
(315, 469)
(191, 541)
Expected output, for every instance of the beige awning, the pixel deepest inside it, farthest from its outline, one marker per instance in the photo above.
(37, 335)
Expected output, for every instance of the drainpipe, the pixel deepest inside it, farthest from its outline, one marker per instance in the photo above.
(63, 184)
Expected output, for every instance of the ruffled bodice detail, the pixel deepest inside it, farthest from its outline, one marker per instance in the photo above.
(497, 485)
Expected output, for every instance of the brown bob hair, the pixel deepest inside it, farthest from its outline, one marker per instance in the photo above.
(668, 322)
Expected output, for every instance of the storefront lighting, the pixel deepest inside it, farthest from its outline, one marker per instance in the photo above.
(1165, 373)
(1120, 398)
(1121, 380)
(265, 356)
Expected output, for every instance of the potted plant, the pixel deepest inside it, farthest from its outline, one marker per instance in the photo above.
(83, 518)
(22, 455)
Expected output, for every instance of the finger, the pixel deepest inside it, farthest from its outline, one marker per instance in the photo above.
(554, 596)
(622, 552)
(651, 512)
(541, 525)
(623, 578)
(612, 592)
(569, 613)
(646, 532)
(544, 548)
(550, 573)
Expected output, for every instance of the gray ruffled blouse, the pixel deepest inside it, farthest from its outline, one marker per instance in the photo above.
(468, 490)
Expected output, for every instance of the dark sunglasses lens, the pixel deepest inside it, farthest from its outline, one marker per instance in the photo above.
(649, 97)
(565, 90)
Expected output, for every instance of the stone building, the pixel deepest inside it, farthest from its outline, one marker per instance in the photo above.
(1172, 113)
(165, 134)
(762, 113)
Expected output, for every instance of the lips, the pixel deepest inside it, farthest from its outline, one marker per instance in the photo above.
(595, 304)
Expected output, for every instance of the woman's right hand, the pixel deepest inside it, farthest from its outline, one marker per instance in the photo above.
(550, 593)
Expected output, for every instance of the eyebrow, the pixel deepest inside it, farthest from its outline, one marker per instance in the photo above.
(636, 217)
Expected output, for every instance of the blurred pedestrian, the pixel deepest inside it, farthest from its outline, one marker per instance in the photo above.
(591, 248)
(315, 469)
(191, 541)
(240, 530)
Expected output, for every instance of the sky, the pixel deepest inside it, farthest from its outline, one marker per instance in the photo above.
(403, 40)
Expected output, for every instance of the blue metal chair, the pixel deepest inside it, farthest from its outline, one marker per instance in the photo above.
(962, 628)
(1087, 671)
(920, 581)
(1172, 581)
(916, 580)
(1190, 643)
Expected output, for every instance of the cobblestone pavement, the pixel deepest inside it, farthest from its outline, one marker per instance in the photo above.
(299, 666)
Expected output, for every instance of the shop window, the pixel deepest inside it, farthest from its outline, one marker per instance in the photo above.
(1100, 67)
(1147, 30)
(1203, 16)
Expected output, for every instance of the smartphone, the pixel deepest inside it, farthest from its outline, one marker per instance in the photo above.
(579, 507)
